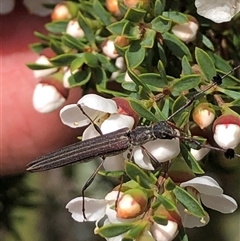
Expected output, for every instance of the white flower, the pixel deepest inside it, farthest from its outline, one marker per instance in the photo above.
(47, 98)
(187, 31)
(162, 149)
(43, 60)
(109, 49)
(211, 195)
(218, 11)
(104, 113)
(74, 29)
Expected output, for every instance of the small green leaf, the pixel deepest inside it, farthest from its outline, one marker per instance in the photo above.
(91, 60)
(159, 7)
(138, 175)
(207, 42)
(205, 63)
(189, 202)
(100, 77)
(57, 26)
(162, 55)
(82, 21)
(41, 36)
(106, 63)
(55, 46)
(161, 24)
(233, 94)
(178, 48)
(72, 42)
(130, 86)
(135, 54)
(101, 12)
(190, 160)
(176, 17)
(153, 79)
(162, 220)
(162, 72)
(77, 63)
(80, 78)
(135, 15)
(63, 59)
(186, 67)
(141, 110)
(148, 39)
(38, 47)
(187, 82)
(35, 66)
(136, 231)
(167, 203)
(112, 230)
(117, 27)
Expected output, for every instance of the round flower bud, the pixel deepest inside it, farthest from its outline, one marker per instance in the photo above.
(109, 49)
(131, 204)
(112, 7)
(61, 12)
(203, 115)
(187, 31)
(48, 96)
(74, 29)
(226, 129)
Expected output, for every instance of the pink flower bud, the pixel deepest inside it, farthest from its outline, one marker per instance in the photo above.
(186, 32)
(226, 129)
(203, 115)
(61, 12)
(43, 60)
(131, 204)
(109, 49)
(48, 96)
(74, 29)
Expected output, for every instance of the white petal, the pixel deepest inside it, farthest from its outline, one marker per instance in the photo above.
(112, 196)
(141, 159)
(43, 60)
(46, 98)
(204, 184)
(115, 122)
(74, 29)
(114, 163)
(199, 154)
(95, 209)
(190, 221)
(163, 150)
(227, 135)
(109, 49)
(221, 203)
(90, 132)
(6, 6)
(218, 11)
(97, 102)
(164, 232)
(72, 116)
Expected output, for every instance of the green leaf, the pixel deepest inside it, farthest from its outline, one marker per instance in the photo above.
(176, 17)
(133, 32)
(38, 47)
(91, 60)
(190, 160)
(136, 231)
(162, 73)
(106, 63)
(114, 174)
(186, 67)
(162, 55)
(112, 230)
(57, 26)
(233, 94)
(178, 48)
(153, 79)
(166, 202)
(189, 202)
(72, 42)
(148, 39)
(207, 42)
(162, 220)
(135, 173)
(86, 28)
(235, 102)
(104, 15)
(135, 15)
(41, 36)
(117, 27)
(80, 78)
(187, 82)
(141, 110)
(63, 59)
(100, 77)
(35, 66)
(205, 63)
(55, 46)
(130, 86)
(159, 7)
(77, 63)
(161, 24)
(135, 54)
